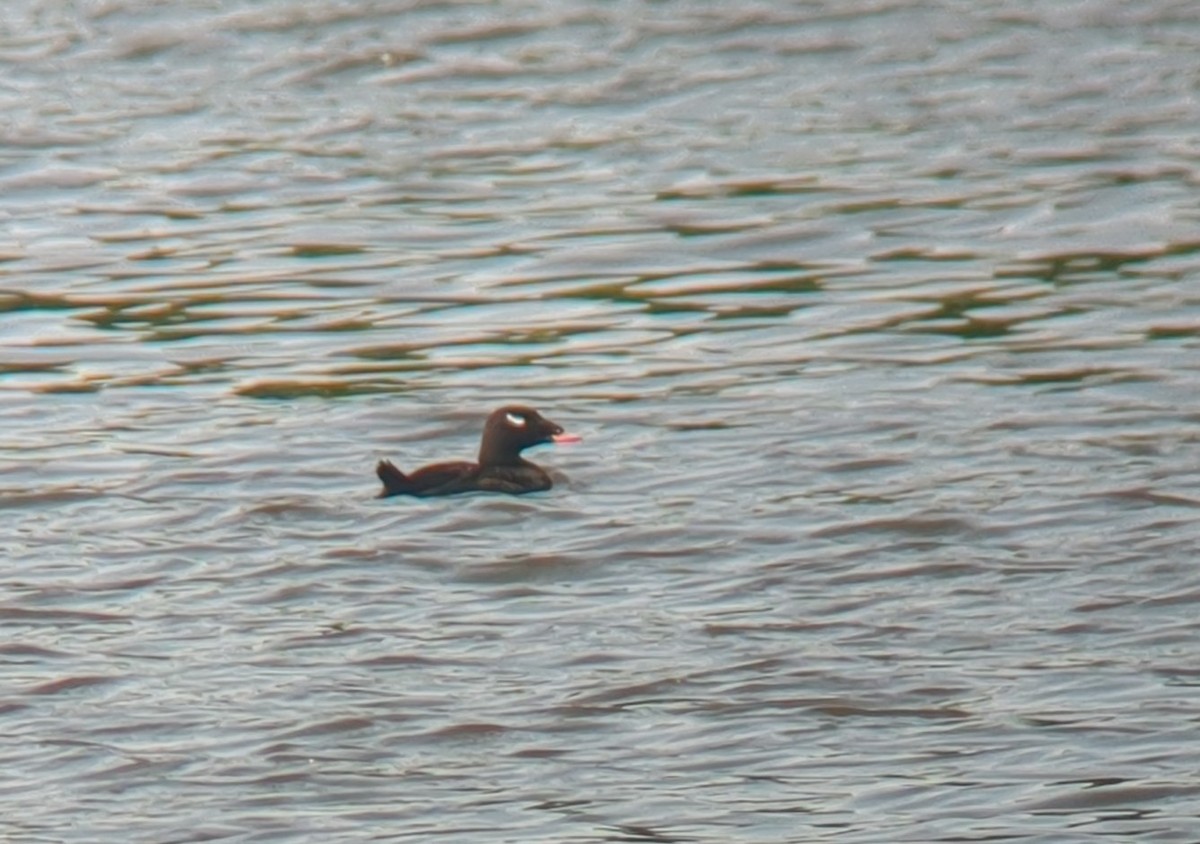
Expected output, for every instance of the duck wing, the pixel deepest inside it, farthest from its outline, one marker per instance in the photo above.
(435, 479)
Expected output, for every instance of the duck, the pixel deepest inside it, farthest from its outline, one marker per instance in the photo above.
(508, 431)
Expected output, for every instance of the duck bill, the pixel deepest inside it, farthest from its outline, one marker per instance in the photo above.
(560, 439)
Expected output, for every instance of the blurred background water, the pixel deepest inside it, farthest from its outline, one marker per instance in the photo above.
(880, 320)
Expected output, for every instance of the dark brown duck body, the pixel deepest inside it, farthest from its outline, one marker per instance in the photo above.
(501, 468)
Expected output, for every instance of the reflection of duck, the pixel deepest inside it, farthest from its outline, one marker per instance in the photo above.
(501, 468)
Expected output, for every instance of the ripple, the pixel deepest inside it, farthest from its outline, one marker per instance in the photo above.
(879, 529)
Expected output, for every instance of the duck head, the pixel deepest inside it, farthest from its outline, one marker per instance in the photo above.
(513, 428)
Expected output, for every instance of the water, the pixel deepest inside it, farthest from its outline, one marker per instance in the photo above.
(879, 320)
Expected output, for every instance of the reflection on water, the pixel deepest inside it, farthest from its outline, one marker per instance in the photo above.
(879, 322)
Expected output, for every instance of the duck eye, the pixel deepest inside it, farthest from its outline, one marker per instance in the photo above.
(515, 419)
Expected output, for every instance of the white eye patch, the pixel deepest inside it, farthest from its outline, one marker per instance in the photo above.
(515, 419)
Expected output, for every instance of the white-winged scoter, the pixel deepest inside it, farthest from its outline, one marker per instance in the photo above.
(501, 468)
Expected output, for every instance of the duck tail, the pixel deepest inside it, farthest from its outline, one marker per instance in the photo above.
(395, 482)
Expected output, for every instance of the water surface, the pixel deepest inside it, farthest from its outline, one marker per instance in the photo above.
(880, 321)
